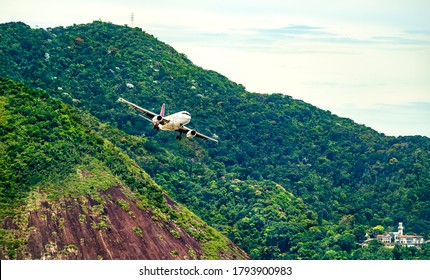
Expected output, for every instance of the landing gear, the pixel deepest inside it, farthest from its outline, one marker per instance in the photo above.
(179, 137)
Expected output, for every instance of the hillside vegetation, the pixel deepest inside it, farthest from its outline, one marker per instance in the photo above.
(67, 193)
(287, 180)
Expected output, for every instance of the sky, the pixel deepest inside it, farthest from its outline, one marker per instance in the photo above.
(367, 60)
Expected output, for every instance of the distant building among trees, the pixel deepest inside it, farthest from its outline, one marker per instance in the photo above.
(397, 237)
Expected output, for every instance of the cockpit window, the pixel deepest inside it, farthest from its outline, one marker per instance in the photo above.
(186, 113)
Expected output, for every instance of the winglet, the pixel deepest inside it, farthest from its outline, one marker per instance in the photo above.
(162, 110)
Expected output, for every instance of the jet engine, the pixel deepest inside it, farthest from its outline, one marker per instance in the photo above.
(157, 119)
(191, 134)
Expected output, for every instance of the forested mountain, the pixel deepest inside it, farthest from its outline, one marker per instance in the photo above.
(286, 180)
(67, 193)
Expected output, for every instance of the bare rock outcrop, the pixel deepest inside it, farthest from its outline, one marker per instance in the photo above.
(113, 228)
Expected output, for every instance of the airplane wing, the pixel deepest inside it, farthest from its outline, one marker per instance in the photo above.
(185, 130)
(147, 113)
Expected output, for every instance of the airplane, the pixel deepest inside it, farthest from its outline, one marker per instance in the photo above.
(174, 122)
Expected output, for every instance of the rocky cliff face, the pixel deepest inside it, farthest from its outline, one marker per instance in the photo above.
(113, 228)
(117, 230)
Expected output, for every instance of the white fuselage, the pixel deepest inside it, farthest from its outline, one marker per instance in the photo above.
(176, 121)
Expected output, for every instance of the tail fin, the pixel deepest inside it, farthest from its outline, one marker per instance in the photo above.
(162, 110)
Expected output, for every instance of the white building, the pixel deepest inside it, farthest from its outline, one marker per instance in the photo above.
(397, 237)
(410, 240)
(386, 239)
